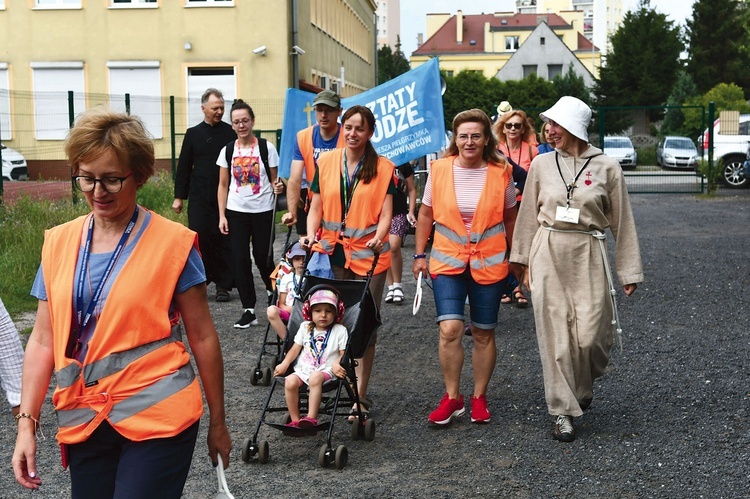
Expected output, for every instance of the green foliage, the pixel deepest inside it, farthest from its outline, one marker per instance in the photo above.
(642, 65)
(719, 43)
(646, 155)
(572, 84)
(391, 64)
(674, 119)
(726, 97)
(713, 175)
(22, 226)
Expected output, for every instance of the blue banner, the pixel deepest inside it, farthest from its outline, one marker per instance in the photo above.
(408, 110)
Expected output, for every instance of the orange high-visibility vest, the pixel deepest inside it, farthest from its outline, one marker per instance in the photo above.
(305, 144)
(362, 219)
(136, 373)
(484, 249)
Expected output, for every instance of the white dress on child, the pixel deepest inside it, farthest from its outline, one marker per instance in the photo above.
(319, 349)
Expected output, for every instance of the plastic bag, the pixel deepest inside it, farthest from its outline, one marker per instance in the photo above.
(320, 265)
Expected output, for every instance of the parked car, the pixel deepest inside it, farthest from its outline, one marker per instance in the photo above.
(731, 150)
(14, 164)
(676, 152)
(621, 149)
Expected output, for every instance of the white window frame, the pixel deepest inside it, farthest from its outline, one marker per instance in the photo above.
(227, 85)
(2, 4)
(134, 4)
(149, 106)
(58, 4)
(6, 132)
(510, 41)
(51, 106)
(209, 3)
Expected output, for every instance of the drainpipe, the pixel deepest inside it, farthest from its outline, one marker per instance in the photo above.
(295, 61)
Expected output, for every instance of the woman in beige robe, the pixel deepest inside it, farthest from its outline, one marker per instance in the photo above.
(572, 195)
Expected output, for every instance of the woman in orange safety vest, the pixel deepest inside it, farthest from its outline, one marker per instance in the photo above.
(471, 199)
(352, 206)
(112, 288)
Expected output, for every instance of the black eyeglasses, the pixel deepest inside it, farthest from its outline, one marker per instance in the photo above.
(112, 185)
(517, 126)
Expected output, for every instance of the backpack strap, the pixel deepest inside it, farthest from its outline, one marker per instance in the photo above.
(263, 147)
(229, 153)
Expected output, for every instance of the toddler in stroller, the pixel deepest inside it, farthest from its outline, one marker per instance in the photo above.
(288, 290)
(319, 344)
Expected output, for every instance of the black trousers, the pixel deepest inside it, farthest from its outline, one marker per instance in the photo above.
(243, 228)
(216, 251)
(110, 465)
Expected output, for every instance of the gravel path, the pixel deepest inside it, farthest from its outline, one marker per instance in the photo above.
(668, 420)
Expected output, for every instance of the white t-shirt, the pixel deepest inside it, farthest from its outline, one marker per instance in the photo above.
(307, 363)
(250, 189)
(287, 285)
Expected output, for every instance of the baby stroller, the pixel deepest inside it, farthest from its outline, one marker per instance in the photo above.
(271, 348)
(361, 320)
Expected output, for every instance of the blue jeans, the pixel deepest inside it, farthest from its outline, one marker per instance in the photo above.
(450, 293)
(110, 465)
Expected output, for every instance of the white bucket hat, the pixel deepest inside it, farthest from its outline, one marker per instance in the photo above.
(572, 114)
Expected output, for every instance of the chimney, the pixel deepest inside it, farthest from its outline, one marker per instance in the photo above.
(460, 27)
(420, 39)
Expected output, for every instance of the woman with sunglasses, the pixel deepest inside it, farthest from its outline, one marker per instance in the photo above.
(470, 197)
(113, 287)
(572, 196)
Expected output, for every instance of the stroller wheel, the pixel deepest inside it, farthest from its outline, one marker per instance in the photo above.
(266, 376)
(324, 456)
(263, 451)
(369, 430)
(342, 456)
(255, 376)
(248, 449)
(356, 429)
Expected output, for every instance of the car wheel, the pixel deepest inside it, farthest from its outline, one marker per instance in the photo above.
(732, 174)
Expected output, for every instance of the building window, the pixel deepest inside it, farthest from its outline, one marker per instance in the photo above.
(554, 70)
(5, 132)
(51, 83)
(528, 70)
(209, 3)
(134, 3)
(201, 78)
(542, 41)
(2, 4)
(511, 43)
(58, 4)
(141, 80)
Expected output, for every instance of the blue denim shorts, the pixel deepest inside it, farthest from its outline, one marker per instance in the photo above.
(450, 293)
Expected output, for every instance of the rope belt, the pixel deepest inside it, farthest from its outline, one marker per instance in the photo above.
(601, 237)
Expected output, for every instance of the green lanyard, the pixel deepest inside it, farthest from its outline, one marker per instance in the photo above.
(348, 191)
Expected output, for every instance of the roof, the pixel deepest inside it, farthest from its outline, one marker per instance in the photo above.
(444, 39)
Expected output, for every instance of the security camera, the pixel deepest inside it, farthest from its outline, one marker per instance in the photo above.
(260, 50)
(296, 49)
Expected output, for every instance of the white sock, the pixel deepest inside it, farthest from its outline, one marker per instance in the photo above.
(396, 285)
(251, 310)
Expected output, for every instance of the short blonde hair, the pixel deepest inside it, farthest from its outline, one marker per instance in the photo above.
(101, 129)
(527, 133)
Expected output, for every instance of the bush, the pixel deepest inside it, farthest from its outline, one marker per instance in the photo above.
(713, 176)
(646, 155)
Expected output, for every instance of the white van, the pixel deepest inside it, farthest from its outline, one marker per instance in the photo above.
(14, 164)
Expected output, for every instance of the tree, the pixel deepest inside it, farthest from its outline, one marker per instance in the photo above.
(572, 84)
(682, 92)
(641, 66)
(718, 44)
(725, 96)
(391, 64)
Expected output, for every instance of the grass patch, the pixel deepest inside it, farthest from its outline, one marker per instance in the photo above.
(647, 155)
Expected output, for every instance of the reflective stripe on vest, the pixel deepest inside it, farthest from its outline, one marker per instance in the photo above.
(111, 364)
(149, 396)
(447, 232)
(352, 232)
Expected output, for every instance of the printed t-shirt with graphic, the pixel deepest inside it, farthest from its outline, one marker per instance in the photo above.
(288, 285)
(250, 189)
(319, 145)
(308, 361)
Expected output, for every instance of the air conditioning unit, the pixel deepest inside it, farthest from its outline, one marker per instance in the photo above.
(324, 82)
(336, 86)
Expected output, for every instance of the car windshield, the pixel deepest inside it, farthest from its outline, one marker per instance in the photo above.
(682, 143)
(617, 142)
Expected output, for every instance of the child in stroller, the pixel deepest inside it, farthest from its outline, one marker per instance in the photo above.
(318, 346)
(288, 288)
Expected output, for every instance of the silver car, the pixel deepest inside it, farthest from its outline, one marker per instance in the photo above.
(676, 152)
(621, 149)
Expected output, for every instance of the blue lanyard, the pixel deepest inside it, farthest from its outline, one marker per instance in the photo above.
(84, 320)
(318, 354)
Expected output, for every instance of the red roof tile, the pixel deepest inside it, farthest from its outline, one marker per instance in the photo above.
(444, 39)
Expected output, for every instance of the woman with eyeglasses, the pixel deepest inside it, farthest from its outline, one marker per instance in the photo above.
(572, 196)
(113, 287)
(469, 195)
(247, 184)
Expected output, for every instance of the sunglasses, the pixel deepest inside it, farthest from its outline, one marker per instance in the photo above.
(517, 126)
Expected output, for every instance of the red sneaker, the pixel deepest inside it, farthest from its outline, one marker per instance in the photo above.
(479, 412)
(447, 410)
